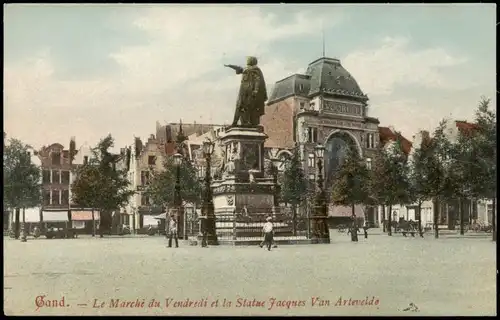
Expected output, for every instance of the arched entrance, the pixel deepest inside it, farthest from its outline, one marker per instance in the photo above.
(336, 150)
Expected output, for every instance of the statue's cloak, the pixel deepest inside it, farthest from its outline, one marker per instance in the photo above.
(252, 80)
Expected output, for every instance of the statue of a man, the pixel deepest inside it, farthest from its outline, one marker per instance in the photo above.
(252, 95)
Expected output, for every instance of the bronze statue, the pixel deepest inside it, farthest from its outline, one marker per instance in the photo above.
(252, 95)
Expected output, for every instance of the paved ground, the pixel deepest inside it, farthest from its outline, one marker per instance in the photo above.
(449, 276)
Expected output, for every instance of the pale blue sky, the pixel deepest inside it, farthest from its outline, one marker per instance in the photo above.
(85, 71)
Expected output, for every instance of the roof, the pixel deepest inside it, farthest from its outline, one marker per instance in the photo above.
(386, 135)
(464, 126)
(324, 75)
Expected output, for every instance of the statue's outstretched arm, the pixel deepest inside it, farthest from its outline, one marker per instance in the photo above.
(238, 69)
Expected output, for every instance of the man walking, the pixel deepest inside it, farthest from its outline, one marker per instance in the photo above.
(172, 231)
(268, 233)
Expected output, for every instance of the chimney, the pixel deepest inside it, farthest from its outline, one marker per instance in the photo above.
(72, 150)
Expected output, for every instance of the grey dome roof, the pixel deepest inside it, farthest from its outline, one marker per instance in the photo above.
(323, 76)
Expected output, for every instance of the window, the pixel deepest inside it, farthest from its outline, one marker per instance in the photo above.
(301, 87)
(56, 176)
(65, 197)
(46, 176)
(302, 105)
(312, 135)
(55, 197)
(145, 200)
(311, 160)
(46, 197)
(312, 105)
(85, 159)
(56, 158)
(370, 141)
(151, 160)
(369, 163)
(65, 177)
(144, 177)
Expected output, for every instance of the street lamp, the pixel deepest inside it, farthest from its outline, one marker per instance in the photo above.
(320, 227)
(208, 215)
(276, 195)
(177, 191)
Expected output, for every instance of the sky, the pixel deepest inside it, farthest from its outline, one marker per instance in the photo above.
(89, 70)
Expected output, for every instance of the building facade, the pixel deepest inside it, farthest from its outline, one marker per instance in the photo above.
(56, 165)
(323, 106)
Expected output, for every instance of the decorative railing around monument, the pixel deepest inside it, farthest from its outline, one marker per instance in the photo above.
(237, 226)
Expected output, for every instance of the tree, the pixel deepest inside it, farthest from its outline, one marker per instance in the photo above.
(484, 142)
(100, 185)
(161, 186)
(294, 185)
(22, 188)
(350, 186)
(441, 178)
(419, 166)
(389, 179)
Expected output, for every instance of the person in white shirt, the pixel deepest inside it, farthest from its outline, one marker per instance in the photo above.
(268, 233)
(172, 231)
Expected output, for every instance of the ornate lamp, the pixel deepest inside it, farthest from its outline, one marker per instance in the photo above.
(320, 229)
(177, 159)
(209, 235)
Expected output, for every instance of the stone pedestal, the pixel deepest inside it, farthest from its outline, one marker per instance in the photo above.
(244, 188)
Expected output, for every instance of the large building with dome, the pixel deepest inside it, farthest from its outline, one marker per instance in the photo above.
(324, 106)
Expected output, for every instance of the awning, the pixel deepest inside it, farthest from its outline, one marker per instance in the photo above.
(84, 215)
(345, 211)
(149, 221)
(54, 216)
(30, 215)
(161, 216)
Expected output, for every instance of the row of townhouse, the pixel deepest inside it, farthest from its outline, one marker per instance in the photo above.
(480, 210)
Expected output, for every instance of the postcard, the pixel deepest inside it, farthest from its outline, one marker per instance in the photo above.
(250, 160)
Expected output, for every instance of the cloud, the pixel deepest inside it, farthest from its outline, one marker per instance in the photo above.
(394, 63)
(178, 73)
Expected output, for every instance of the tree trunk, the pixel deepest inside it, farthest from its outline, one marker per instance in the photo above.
(93, 223)
(461, 215)
(41, 221)
(17, 222)
(435, 210)
(493, 220)
(24, 236)
(389, 222)
(383, 219)
(294, 219)
(419, 212)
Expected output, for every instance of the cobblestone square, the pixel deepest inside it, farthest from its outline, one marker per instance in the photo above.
(448, 276)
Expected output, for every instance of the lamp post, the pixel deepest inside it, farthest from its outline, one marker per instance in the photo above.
(276, 195)
(208, 215)
(177, 192)
(320, 231)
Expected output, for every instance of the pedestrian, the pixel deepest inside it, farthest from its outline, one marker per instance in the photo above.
(354, 229)
(365, 229)
(268, 233)
(172, 231)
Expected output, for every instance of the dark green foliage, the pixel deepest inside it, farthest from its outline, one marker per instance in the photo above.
(389, 179)
(162, 185)
(293, 181)
(99, 184)
(350, 184)
(22, 187)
